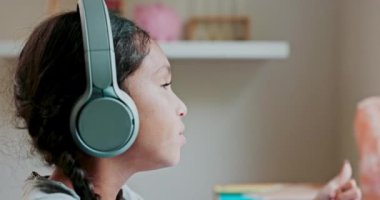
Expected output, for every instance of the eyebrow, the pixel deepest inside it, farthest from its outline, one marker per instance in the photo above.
(167, 67)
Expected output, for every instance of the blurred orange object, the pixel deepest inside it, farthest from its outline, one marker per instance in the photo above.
(367, 132)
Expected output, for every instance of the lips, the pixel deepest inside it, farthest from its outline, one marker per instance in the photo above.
(183, 138)
(182, 130)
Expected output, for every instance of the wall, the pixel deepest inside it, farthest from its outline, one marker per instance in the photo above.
(359, 64)
(18, 17)
(16, 160)
(248, 121)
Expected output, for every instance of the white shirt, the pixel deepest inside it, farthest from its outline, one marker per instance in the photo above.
(41, 188)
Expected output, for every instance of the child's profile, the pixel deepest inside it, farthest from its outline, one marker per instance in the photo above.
(51, 77)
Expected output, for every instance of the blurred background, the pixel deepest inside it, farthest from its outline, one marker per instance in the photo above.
(286, 118)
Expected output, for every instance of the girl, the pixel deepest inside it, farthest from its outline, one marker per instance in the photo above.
(50, 77)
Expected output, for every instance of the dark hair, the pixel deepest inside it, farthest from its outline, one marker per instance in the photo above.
(50, 77)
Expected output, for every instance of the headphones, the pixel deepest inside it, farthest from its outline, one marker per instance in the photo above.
(104, 121)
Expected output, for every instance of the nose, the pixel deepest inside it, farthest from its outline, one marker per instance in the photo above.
(182, 109)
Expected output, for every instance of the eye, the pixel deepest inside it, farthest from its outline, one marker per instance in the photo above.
(166, 84)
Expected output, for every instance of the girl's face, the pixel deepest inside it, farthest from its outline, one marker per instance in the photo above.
(160, 110)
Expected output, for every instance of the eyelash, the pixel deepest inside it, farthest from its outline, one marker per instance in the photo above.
(166, 84)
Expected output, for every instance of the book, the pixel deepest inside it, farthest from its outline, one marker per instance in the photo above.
(270, 191)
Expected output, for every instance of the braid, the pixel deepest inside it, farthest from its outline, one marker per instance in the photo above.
(81, 184)
(120, 195)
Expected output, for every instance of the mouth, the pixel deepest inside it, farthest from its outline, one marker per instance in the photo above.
(182, 138)
(182, 131)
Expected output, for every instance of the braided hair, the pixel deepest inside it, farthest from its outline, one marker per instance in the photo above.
(49, 79)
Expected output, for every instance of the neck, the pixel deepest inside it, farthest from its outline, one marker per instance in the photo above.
(108, 177)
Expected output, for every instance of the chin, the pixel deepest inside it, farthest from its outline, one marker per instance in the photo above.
(171, 161)
(156, 159)
(175, 162)
(163, 164)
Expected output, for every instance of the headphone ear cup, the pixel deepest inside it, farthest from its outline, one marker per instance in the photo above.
(106, 127)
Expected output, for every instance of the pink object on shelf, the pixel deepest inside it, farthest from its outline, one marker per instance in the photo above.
(114, 5)
(160, 21)
(367, 132)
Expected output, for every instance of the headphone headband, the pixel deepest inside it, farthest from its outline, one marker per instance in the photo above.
(98, 43)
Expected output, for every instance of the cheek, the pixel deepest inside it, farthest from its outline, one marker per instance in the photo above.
(155, 109)
(156, 120)
(158, 138)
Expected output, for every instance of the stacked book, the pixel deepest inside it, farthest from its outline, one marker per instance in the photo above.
(270, 191)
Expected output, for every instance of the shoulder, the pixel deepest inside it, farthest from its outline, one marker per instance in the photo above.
(129, 194)
(37, 187)
(44, 196)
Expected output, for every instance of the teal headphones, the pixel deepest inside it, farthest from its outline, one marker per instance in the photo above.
(104, 121)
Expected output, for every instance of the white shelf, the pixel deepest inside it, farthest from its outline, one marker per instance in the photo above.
(10, 48)
(198, 49)
(226, 49)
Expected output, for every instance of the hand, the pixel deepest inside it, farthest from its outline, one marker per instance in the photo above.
(342, 187)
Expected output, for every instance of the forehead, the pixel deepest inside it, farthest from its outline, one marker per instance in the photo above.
(155, 61)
